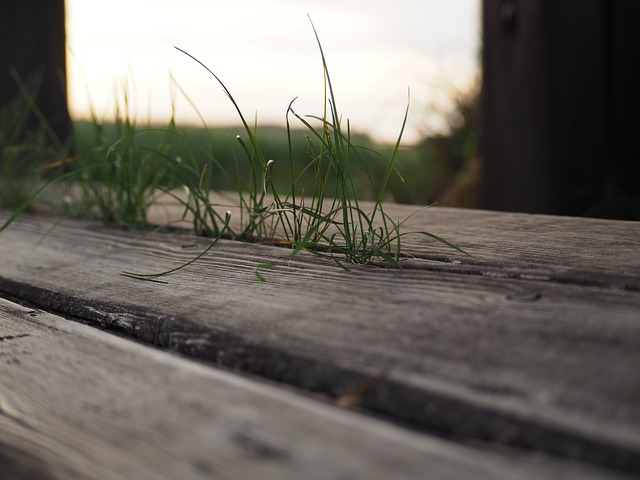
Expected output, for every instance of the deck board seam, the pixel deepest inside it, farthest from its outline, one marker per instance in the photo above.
(486, 424)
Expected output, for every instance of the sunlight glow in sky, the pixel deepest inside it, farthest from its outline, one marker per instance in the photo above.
(265, 52)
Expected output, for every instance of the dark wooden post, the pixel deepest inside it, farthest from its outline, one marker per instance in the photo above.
(32, 34)
(622, 194)
(556, 100)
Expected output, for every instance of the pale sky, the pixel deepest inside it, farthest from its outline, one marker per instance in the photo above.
(265, 52)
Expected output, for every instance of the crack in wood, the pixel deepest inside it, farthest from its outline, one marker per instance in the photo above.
(526, 276)
(392, 399)
(494, 300)
(13, 337)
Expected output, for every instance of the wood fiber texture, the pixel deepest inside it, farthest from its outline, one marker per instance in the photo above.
(532, 342)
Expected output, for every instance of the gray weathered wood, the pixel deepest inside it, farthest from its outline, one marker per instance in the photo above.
(534, 342)
(582, 251)
(568, 250)
(79, 403)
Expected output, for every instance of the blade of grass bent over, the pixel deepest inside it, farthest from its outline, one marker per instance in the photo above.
(180, 267)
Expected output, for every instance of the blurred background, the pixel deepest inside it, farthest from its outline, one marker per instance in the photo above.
(515, 105)
(266, 53)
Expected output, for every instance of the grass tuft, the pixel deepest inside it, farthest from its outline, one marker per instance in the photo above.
(317, 209)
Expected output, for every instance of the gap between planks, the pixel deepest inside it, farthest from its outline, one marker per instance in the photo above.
(513, 338)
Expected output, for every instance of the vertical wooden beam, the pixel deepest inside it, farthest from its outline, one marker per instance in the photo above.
(623, 180)
(32, 33)
(545, 105)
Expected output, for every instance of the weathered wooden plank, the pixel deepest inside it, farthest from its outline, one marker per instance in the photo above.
(580, 251)
(76, 402)
(519, 359)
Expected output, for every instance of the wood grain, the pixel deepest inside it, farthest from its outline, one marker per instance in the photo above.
(582, 251)
(76, 402)
(534, 342)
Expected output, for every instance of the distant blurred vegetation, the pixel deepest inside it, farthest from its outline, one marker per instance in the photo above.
(441, 169)
(444, 168)
(221, 143)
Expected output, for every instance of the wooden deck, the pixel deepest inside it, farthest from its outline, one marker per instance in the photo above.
(521, 362)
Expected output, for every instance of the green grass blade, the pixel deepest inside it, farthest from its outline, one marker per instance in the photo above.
(180, 267)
